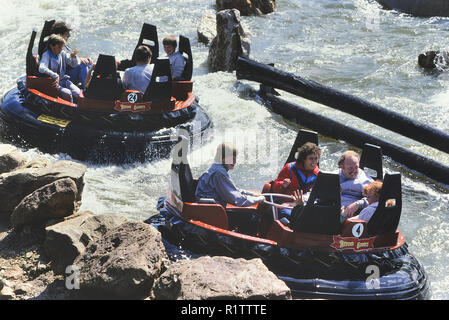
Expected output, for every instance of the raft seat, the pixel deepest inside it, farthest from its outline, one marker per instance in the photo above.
(245, 220)
(385, 219)
(211, 213)
(42, 84)
(321, 214)
(105, 83)
(371, 159)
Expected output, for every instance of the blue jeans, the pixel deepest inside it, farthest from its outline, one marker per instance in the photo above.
(79, 73)
(284, 213)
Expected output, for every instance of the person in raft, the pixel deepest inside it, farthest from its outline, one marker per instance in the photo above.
(77, 74)
(139, 76)
(299, 175)
(54, 62)
(177, 61)
(372, 194)
(352, 181)
(216, 183)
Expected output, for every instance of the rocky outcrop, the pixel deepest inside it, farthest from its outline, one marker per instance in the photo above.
(68, 239)
(17, 184)
(434, 60)
(10, 158)
(54, 200)
(248, 7)
(110, 255)
(219, 278)
(231, 41)
(124, 263)
(421, 8)
(207, 30)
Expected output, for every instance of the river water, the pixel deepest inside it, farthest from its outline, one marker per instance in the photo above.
(351, 45)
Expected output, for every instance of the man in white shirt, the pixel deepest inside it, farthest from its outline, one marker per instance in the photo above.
(139, 76)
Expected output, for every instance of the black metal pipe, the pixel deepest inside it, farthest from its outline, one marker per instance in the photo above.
(331, 128)
(272, 77)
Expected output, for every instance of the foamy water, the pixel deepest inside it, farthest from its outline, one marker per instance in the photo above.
(351, 45)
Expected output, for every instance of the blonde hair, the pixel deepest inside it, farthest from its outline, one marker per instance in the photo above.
(226, 153)
(55, 39)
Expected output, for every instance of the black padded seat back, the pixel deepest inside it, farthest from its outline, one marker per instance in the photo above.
(46, 32)
(302, 137)
(184, 48)
(186, 183)
(385, 219)
(148, 37)
(160, 87)
(372, 159)
(181, 175)
(105, 83)
(321, 214)
(32, 68)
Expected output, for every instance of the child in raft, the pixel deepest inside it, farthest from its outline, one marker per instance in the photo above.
(54, 62)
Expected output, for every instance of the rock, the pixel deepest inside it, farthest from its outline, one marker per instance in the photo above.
(124, 263)
(230, 42)
(219, 278)
(37, 163)
(434, 60)
(13, 273)
(68, 239)
(10, 158)
(247, 7)
(6, 293)
(23, 289)
(420, 8)
(54, 200)
(16, 185)
(207, 30)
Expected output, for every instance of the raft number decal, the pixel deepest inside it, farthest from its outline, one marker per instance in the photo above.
(132, 97)
(352, 243)
(357, 230)
(52, 120)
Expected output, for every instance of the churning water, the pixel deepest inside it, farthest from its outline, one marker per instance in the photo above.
(351, 45)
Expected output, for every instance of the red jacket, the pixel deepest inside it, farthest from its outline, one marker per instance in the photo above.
(294, 171)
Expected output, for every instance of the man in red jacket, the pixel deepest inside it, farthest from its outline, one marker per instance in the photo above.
(298, 175)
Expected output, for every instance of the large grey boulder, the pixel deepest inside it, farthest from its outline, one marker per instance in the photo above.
(16, 185)
(420, 8)
(54, 200)
(231, 41)
(124, 263)
(219, 278)
(66, 240)
(10, 158)
(207, 29)
(248, 7)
